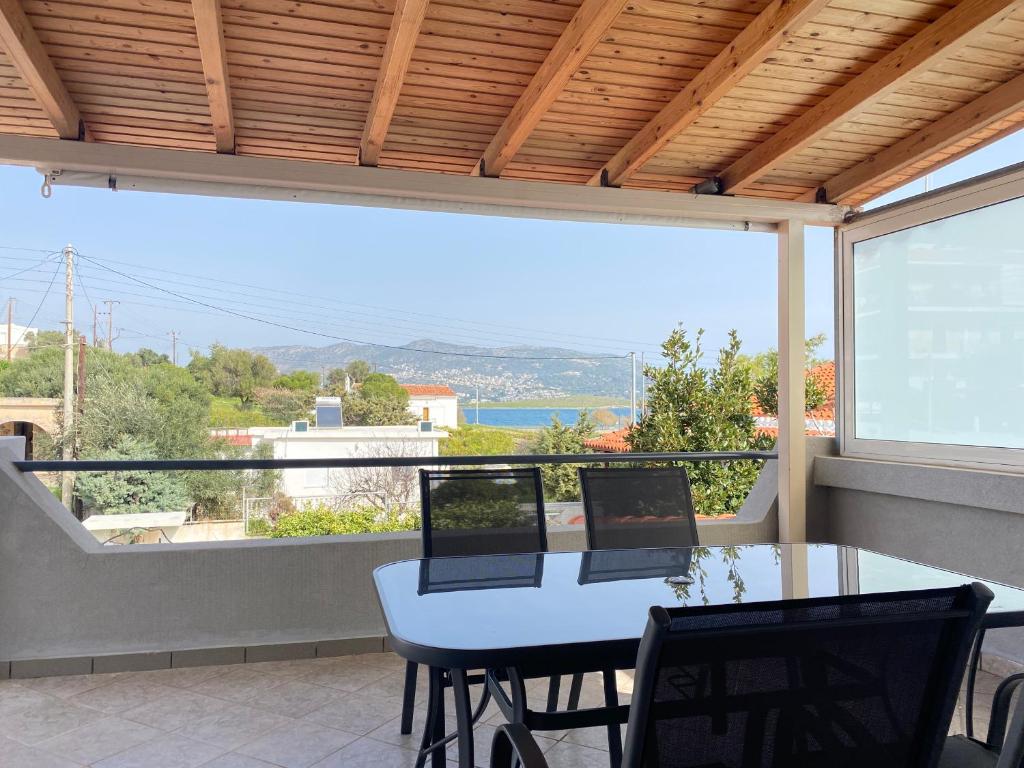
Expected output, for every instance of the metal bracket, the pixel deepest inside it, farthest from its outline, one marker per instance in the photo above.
(710, 186)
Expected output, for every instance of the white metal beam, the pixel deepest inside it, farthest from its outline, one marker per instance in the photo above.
(792, 353)
(168, 170)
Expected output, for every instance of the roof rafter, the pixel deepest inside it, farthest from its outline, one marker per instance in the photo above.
(34, 66)
(956, 28)
(210, 32)
(405, 28)
(995, 105)
(748, 50)
(584, 31)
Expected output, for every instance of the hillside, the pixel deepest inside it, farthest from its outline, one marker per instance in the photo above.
(509, 374)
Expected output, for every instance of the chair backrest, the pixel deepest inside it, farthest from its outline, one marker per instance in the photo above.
(482, 512)
(626, 508)
(834, 682)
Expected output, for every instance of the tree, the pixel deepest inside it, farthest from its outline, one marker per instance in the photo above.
(479, 440)
(561, 482)
(765, 370)
(358, 370)
(383, 488)
(378, 401)
(298, 380)
(146, 357)
(692, 408)
(114, 493)
(232, 372)
(285, 405)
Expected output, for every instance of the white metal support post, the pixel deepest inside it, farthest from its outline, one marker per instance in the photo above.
(792, 353)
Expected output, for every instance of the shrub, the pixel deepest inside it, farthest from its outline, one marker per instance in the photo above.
(321, 520)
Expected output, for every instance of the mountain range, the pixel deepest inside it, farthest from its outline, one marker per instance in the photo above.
(501, 373)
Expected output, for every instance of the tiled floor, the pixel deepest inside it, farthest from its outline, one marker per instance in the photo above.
(331, 713)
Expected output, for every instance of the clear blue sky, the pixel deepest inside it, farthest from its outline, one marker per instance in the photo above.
(395, 276)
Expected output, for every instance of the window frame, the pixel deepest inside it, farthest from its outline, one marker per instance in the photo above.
(974, 194)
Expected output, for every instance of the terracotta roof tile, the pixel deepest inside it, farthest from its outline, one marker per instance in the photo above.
(429, 390)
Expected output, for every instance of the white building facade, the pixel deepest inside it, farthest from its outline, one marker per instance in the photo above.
(435, 403)
(379, 486)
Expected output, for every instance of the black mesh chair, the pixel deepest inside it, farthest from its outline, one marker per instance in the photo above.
(833, 682)
(629, 508)
(480, 512)
(1003, 747)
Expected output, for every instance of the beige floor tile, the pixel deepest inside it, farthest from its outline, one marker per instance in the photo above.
(101, 739)
(233, 725)
(15, 755)
(294, 698)
(369, 753)
(70, 685)
(297, 745)
(169, 751)
(235, 760)
(566, 755)
(356, 713)
(240, 685)
(344, 676)
(175, 708)
(121, 695)
(46, 719)
(182, 677)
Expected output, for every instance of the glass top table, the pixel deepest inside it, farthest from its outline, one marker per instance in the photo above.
(557, 613)
(493, 610)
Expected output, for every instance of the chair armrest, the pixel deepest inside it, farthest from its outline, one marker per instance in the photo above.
(514, 745)
(1010, 743)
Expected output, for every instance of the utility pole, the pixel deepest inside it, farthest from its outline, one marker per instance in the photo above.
(10, 330)
(478, 404)
(643, 387)
(110, 323)
(632, 388)
(95, 329)
(174, 347)
(68, 479)
(80, 389)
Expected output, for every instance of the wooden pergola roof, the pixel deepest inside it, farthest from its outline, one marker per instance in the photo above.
(837, 101)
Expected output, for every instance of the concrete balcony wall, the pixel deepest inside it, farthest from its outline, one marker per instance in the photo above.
(69, 603)
(966, 520)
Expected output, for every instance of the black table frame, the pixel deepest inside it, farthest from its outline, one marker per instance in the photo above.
(520, 662)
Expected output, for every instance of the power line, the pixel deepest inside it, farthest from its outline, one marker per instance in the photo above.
(342, 338)
(40, 306)
(34, 267)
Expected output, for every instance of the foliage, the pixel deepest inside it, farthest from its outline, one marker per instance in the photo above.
(766, 389)
(285, 405)
(218, 495)
(358, 371)
(298, 380)
(561, 481)
(321, 520)
(378, 401)
(229, 412)
(605, 417)
(759, 363)
(483, 503)
(480, 440)
(41, 374)
(692, 408)
(145, 357)
(232, 372)
(131, 491)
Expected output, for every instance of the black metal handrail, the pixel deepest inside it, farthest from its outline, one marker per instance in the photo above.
(120, 465)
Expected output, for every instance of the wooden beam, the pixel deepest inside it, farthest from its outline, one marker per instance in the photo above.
(34, 66)
(210, 31)
(960, 26)
(738, 59)
(945, 132)
(584, 31)
(405, 28)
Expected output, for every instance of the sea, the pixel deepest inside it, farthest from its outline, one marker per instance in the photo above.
(526, 418)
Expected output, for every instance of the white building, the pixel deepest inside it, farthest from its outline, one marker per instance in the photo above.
(433, 402)
(383, 486)
(19, 339)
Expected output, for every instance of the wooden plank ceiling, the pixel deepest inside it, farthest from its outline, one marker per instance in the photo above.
(837, 100)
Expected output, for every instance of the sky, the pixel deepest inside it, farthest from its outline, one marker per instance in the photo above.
(327, 272)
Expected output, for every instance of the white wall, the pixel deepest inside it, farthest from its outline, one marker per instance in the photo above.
(347, 442)
(444, 411)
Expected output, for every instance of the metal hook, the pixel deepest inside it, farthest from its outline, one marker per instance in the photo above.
(46, 190)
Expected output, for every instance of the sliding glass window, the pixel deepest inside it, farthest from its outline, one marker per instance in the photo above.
(933, 332)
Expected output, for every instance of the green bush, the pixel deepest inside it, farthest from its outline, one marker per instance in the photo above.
(321, 520)
(228, 412)
(258, 527)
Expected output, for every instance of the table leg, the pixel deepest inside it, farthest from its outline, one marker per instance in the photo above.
(433, 730)
(463, 718)
(972, 678)
(611, 699)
